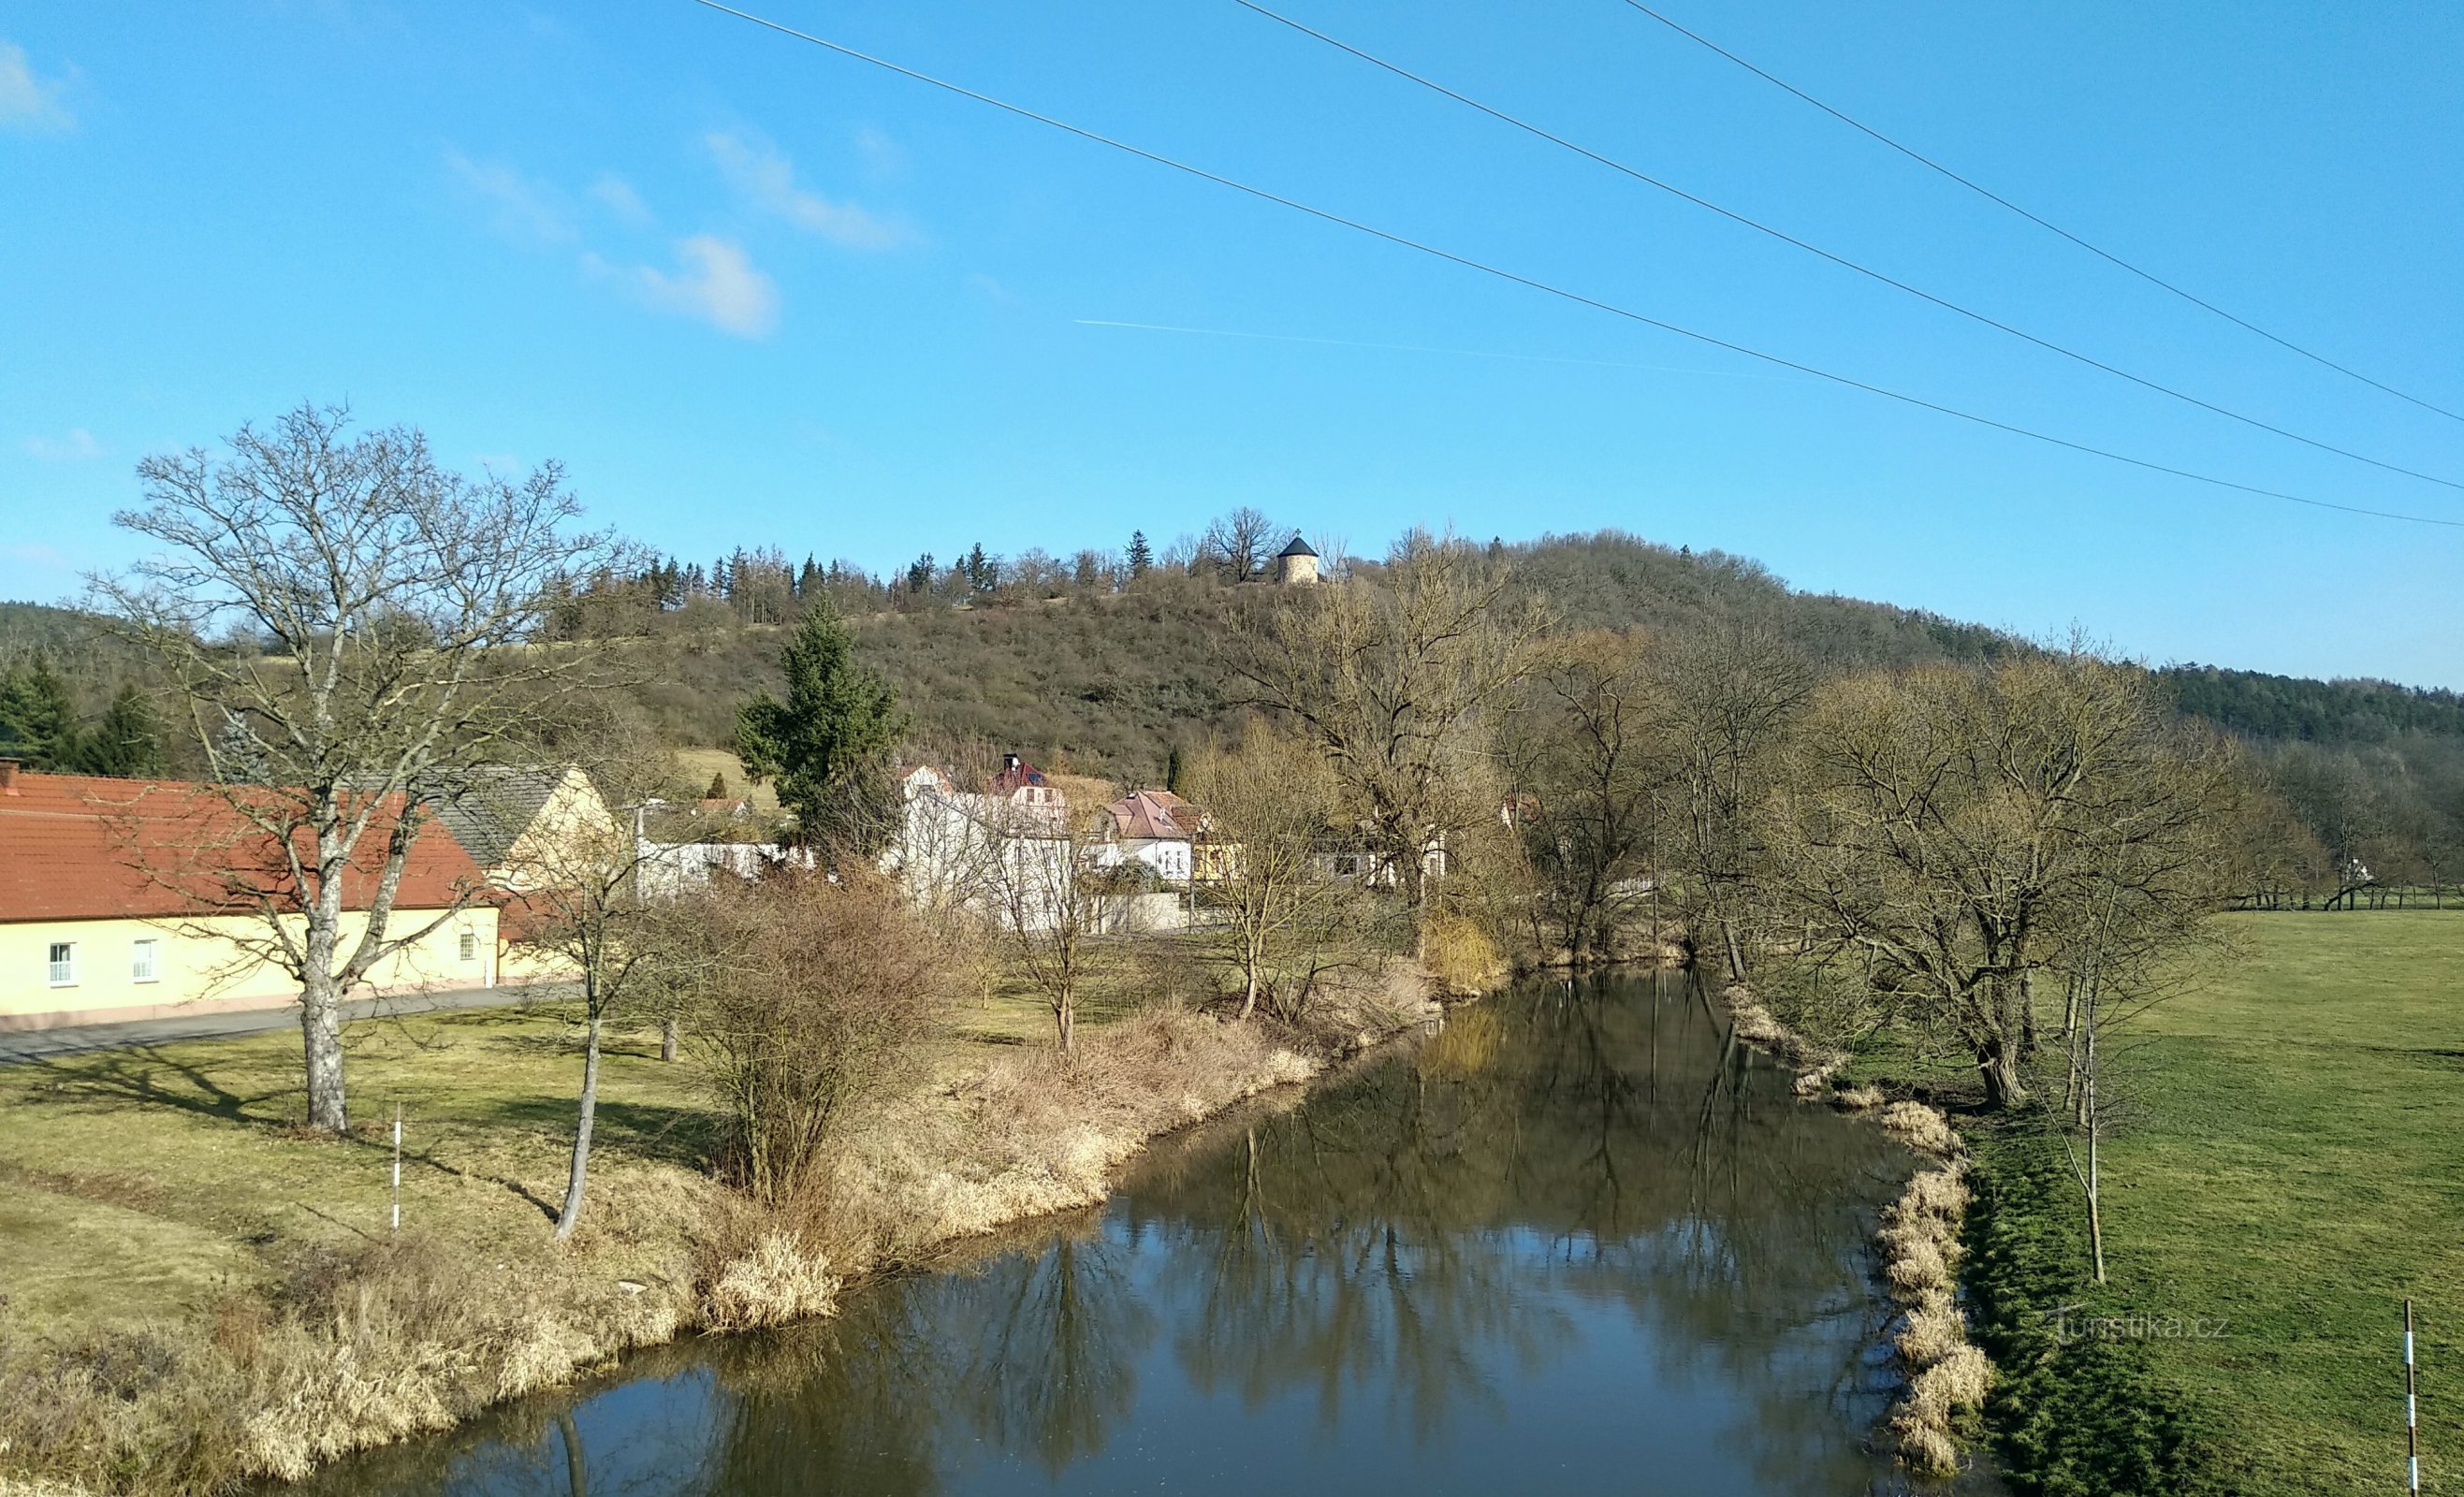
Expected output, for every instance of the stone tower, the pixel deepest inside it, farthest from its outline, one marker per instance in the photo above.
(1296, 564)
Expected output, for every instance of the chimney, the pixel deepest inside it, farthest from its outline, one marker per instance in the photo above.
(8, 778)
(1009, 762)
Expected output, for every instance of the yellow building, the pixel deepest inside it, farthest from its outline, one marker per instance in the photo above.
(137, 899)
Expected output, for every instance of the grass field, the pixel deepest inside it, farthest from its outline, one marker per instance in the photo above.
(2292, 1162)
(152, 1184)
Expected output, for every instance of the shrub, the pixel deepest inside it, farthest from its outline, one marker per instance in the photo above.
(818, 996)
(1462, 962)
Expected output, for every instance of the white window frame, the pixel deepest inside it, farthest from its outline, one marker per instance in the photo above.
(468, 948)
(145, 960)
(62, 962)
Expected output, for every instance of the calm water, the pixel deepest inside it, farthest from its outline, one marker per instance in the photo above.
(1579, 1242)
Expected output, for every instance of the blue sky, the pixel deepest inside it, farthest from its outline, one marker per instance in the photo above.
(749, 291)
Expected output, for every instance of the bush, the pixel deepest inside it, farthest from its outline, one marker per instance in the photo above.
(817, 997)
(1462, 962)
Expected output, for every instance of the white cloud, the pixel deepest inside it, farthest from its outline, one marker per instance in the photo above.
(716, 281)
(618, 196)
(29, 102)
(768, 179)
(522, 208)
(76, 446)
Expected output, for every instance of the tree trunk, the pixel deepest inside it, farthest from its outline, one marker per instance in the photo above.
(1997, 1061)
(571, 1215)
(1250, 999)
(321, 1030)
(1064, 1016)
(1736, 950)
(668, 1038)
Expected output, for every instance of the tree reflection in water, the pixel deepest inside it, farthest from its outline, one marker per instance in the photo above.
(1573, 1193)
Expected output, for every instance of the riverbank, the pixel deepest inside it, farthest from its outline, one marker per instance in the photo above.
(198, 1292)
(2278, 1180)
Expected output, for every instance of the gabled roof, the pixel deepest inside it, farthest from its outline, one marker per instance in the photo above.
(1153, 815)
(1298, 547)
(79, 848)
(495, 804)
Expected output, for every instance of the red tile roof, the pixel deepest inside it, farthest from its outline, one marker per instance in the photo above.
(1149, 814)
(76, 848)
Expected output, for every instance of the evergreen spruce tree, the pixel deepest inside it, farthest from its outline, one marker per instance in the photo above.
(1141, 555)
(127, 743)
(828, 745)
(38, 718)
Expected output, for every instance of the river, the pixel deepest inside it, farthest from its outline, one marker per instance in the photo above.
(1579, 1242)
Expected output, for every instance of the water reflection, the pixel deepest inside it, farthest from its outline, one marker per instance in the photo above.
(1578, 1242)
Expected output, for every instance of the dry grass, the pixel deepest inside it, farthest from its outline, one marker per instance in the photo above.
(1758, 1027)
(1920, 1128)
(1920, 1239)
(1029, 1133)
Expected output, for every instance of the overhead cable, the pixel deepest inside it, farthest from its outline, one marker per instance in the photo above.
(1546, 288)
(2050, 226)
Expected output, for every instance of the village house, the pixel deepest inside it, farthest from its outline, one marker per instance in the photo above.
(125, 899)
(1003, 852)
(521, 823)
(1155, 829)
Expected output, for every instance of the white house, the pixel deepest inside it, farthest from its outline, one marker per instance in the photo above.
(1154, 828)
(1005, 853)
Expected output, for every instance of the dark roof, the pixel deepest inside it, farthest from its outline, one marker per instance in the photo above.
(73, 847)
(493, 805)
(1298, 547)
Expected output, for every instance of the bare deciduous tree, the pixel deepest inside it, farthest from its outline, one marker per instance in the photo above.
(358, 625)
(576, 900)
(1727, 701)
(1588, 806)
(1395, 683)
(1960, 832)
(1045, 910)
(1269, 806)
(1239, 544)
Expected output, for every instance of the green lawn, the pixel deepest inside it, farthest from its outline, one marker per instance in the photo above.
(2292, 1163)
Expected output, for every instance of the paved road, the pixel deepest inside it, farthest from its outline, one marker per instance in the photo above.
(28, 1045)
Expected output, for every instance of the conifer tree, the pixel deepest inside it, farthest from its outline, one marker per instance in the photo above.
(827, 744)
(37, 717)
(1141, 555)
(127, 743)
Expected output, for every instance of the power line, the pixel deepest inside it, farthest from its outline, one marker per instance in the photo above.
(1991, 196)
(1423, 348)
(1546, 288)
(1841, 260)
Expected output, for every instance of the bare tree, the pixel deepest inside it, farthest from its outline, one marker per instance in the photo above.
(358, 625)
(1960, 832)
(1589, 798)
(1044, 908)
(1239, 544)
(1396, 684)
(576, 901)
(1269, 806)
(1726, 701)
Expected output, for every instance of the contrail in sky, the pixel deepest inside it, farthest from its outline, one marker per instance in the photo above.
(1418, 348)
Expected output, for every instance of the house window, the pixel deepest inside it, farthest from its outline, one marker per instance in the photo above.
(63, 963)
(470, 946)
(141, 961)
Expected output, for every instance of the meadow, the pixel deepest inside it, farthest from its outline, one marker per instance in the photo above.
(2283, 1175)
